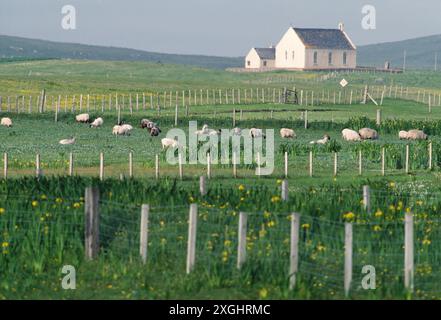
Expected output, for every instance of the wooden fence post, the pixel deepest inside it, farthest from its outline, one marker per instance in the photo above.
(408, 252)
(383, 161)
(144, 235)
(37, 166)
(157, 167)
(176, 115)
(360, 163)
(234, 164)
(310, 163)
(348, 258)
(130, 164)
(208, 166)
(191, 244)
(286, 164)
(294, 254)
(101, 166)
(202, 185)
(335, 164)
(5, 165)
(407, 158)
(242, 240)
(306, 119)
(285, 191)
(430, 155)
(366, 199)
(181, 173)
(92, 217)
(378, 121)
(71, 164)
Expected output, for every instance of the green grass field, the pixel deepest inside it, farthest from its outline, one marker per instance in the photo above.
(42, 220)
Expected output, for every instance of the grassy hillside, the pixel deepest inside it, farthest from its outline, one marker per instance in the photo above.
(19, 48)
(420, 53)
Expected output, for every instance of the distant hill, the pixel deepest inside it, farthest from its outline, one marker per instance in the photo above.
(420, 53)
(16, 48)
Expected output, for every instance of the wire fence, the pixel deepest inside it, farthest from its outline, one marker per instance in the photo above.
(49, 231)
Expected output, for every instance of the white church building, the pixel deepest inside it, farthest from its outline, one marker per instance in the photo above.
(306, 49)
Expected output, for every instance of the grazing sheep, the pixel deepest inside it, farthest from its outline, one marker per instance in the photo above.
(122, 130)
(67, 141)
(350, 135)
(256, 133)
(202, 132)
(402, 135)
(127, 129)
(237, 131)
(287, 133)
(7, 122)
(83, 118)
(368, 134)
(167, 143)
(144, 123)
(98, 122)
(325, 140)
(155, 131)
(212, 132)
(416, 135)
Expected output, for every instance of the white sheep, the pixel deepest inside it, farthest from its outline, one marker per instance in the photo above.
(256, 133)
(7, 122)
(202, 132)
(98, 122)
(287, 133)
(237, 131)
(350, 135)
(416, 135)
(402, 135)
(84, 118)
(368, 134)
(325, 140)
(67, 141)
(167, 143)
(124, 129)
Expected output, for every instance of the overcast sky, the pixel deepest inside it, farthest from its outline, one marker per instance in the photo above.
(213, 27)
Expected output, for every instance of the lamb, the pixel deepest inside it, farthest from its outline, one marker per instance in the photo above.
(402, 135)
(287, 133)
(368, 134)
(67, 141)
(7, 122)
(256, 133)
(83, 118)
(144, 123)
(98, 122)
(325, 140)
(416, 135)
(167, 143)
(124, 129)
(350, 135)
(155, 131)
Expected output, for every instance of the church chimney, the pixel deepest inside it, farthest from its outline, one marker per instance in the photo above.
(341, 26)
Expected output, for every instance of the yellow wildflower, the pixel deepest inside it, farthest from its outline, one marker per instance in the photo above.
(349, 216)
(43, 197)
(275, 199)
(427, 242)
(263, 293)
(76, 205)
(5, 244)
(271, 224)
(306, 226)
(378, 213)
(34, 203)
(241, 187)
(377, 228)
(2, 211)
(58, 200)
